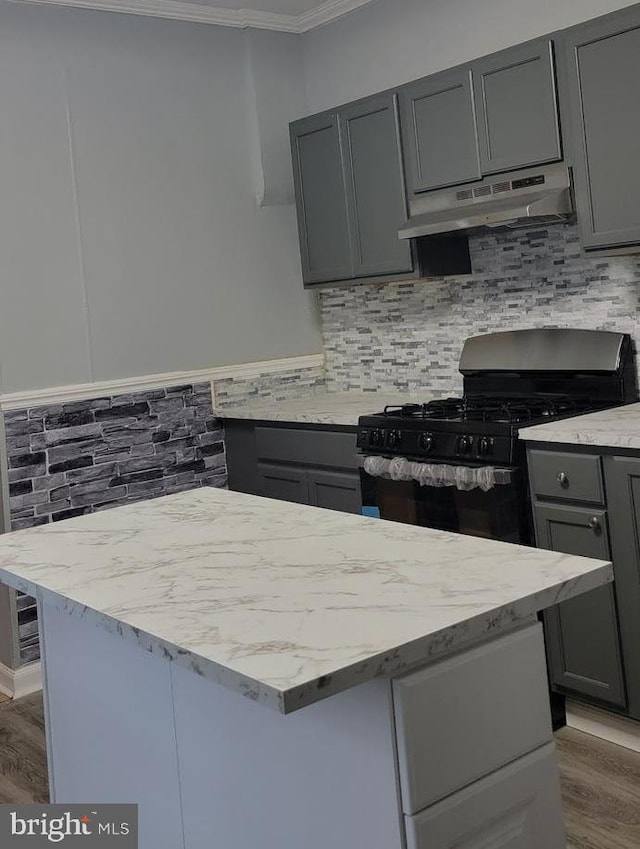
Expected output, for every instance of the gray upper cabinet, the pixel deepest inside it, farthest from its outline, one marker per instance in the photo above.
(603, 62)
(323, 226)
(439, 137)
(583, 642)
(517, 108)
(376, 200)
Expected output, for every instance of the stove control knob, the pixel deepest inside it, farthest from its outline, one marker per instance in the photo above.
(485, 446)
(465, 444)
(426, 441)
(377, 438)
(394, 438)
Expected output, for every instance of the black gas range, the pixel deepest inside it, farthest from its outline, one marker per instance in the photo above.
(511, 380)
(473, 429)
(458, 464)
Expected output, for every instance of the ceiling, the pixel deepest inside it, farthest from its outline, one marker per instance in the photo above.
(280, 15)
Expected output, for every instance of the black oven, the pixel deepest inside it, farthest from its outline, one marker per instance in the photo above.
(499, 512)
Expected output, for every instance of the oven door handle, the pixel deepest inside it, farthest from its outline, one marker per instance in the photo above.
(438, 474)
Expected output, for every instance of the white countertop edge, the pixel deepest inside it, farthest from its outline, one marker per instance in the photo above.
(391, 662)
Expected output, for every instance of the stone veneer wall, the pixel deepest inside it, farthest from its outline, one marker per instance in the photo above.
(68, 459)
(79, 457)
(409, 335)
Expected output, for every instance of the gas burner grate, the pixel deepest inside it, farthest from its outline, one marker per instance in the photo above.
(518, 410)
(444, 408)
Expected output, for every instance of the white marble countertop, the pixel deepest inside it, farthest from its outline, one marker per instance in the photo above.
(332, 408)
(285, 603)
(615, 428)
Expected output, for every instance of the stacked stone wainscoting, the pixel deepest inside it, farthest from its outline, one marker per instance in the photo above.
(408, 336)
(79, 457)
(84, 456)
(278, 386)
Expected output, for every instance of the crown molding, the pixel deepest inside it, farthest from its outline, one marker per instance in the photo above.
(327, 12)
(180, 10)
(126, 385)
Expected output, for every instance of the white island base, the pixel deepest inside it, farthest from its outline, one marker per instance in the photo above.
(458, 753)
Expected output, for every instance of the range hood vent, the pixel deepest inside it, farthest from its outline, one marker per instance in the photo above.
(523, 199)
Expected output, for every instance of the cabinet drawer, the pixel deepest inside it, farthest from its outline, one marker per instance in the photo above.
(310, 447)
(516, 807)
(465, 717)
(575, 477)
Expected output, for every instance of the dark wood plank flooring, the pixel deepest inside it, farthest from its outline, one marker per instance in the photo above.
(23, 757)
(600, 781)
(601, 792)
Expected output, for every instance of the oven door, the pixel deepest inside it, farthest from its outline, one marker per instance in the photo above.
(501, 512)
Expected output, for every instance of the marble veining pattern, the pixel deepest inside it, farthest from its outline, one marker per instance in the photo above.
(284, 603)
(331, 408)
(394, 336)
(615, 428)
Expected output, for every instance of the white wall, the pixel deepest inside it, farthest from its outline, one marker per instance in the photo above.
(389, 42)
(131, 241)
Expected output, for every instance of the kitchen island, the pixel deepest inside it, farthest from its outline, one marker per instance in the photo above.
(258, 673)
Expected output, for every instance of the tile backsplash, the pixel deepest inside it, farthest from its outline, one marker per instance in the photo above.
(409, 335)
(272, 386)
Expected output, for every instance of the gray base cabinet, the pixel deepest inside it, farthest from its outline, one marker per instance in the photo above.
(589, 505)
(583, 639)
(304, 466)
(603, 62)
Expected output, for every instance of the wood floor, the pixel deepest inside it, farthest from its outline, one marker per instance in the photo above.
(600, 781)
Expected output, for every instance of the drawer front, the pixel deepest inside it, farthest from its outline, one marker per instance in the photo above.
(575, 477)
(517, 807)
(311, 447)
(465, 717)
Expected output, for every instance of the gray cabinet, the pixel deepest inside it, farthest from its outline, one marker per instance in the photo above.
(283, 482)
(317, 466)
(603, 66)
(440, 142)
(517, 108)
(583, 641)
(335, 490)
(376, 200)
(622, 477)
(350, 194)
(323, 226)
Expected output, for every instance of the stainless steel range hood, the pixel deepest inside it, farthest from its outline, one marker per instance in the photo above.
(521, 199)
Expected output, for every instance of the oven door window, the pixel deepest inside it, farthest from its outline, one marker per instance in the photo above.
(499, 513)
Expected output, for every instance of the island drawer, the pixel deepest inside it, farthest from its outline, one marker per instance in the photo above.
(310, 447)
(516, 806)
(468, 715)
(574, 477)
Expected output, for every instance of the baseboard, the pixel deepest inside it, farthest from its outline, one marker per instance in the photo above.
(126, 385)
(607, 726)
(16, 683)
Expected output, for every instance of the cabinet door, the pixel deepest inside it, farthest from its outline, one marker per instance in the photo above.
(335, 490)
(321, 203)
(517, 108)
(583, 641)
(285, 483)
(376, 198)
(622, 478)
(604, 69)
(440, 140)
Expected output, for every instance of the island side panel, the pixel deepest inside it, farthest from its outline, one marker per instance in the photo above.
(110, 725)
(323, 776)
